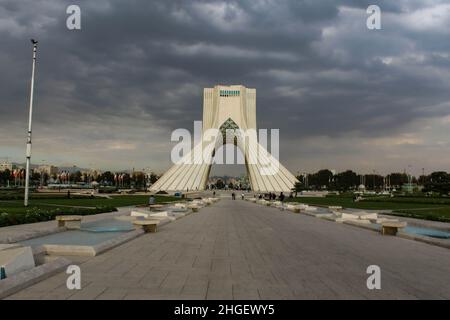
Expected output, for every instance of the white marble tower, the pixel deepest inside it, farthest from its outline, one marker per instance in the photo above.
(226, 108)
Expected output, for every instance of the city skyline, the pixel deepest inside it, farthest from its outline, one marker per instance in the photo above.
(215, 173)
(346, 97)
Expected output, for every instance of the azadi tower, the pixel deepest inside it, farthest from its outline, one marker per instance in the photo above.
(229, 118)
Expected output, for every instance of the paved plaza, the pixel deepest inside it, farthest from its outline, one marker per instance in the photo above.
(240, 250)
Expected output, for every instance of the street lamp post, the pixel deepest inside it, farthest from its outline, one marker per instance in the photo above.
(42, 174)
(373, 180)
(28, 152)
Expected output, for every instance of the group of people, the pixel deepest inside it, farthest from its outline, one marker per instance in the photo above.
(271, 196)
(233, 196)
(267, 196)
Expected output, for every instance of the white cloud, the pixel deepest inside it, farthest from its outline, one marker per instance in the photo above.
(435, 18)
(224, 16)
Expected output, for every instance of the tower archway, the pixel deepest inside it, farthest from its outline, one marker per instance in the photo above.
(231, 110)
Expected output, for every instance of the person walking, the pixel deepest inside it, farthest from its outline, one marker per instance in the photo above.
(151, 201)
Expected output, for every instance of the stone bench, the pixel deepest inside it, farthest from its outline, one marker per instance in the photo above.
(194, 207)
(293, 208)
(136, 214)
(178, 207)
(391, 227)
(146, 225)
(358, 215)
(142, 205)
(162, 216)
(69, 222)
(156, 207)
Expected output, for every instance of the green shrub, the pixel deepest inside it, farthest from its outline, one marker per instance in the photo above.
(40, 196)
(415, 200)
(421, 215)
(36, 214)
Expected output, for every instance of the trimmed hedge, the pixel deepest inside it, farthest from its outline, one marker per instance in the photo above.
(422, 200)
(36, 214)
(424, 216)
(62, 195)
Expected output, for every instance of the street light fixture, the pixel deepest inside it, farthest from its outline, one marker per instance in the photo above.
(28, 152)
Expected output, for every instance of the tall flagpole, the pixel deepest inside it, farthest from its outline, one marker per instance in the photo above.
(27, 177)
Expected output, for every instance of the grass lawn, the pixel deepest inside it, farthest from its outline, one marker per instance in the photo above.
(408, 207)
(437, 214)
(13, 212)
(14, 207)
(347, 202)
(116, 201)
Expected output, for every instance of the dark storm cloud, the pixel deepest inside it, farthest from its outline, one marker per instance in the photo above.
(317, 69)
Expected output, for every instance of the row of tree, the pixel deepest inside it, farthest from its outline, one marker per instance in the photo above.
(349, 180)
(136, 179)
(438, 181)
(107, 178)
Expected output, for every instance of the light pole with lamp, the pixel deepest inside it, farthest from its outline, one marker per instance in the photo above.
(28, 152)
(410, 189)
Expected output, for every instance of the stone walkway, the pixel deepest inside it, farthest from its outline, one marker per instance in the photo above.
(240, 250)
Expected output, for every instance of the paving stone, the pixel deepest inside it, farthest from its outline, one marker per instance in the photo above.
(90, 292)
(240, 250)
(220, 289)
(112, 294)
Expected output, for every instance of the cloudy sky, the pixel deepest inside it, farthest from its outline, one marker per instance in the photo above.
(343, 96)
